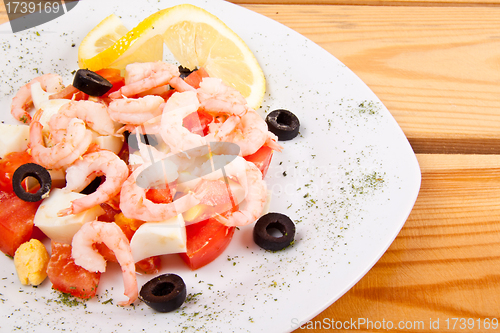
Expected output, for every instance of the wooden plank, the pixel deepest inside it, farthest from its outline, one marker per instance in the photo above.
(3, 13)
(436, 69)
(445, 263)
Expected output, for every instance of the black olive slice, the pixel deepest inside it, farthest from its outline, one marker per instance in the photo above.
(148, 139)
(283, 123)
(31, 170)
(91, 83)
(164, 293)
(92, 187)
(263, 227)
(185, 71)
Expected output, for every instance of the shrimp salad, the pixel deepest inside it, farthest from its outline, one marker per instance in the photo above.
(157, 157)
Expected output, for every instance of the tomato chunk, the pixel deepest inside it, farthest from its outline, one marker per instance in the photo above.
(261, 158)
(9, 164)
(197, 122)
(16, 221)
(194, 79)
(159, 195)
(68, 277)
(114, 76)
(206, 240)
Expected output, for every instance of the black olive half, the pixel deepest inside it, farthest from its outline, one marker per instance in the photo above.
(164, 293)
(283, 123)
(263, 227)
(91, 83)
(31, 170)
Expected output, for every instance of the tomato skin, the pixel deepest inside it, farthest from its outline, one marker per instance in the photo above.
(194, 79)
(151, 265)
(16, 221)
(206, 240)
(68, 277)
(9, 164)
(261, 158)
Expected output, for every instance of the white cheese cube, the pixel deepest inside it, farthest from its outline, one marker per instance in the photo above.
(158, 238)
(62, 228)
(50, 108)
(14, 138)
(109, 142)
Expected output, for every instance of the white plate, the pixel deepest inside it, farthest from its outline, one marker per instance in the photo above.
(349, 181)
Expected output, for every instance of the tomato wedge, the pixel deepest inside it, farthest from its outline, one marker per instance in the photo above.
(205, 241)
(68, 277)
(261, 158)
(16, 221)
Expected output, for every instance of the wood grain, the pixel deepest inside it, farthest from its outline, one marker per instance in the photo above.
(436, 69)
(445, 263)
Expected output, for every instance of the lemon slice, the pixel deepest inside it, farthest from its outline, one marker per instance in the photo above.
(103, 36)
(196, 38)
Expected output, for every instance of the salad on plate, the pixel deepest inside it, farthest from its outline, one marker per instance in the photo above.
(139, 158)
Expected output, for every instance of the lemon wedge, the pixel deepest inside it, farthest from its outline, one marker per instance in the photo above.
(102, 37)
(196, 38)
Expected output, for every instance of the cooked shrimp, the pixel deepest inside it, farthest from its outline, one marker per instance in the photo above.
(134, 204)
(113, 237)
(140, 77)
(22, 101)
(175, 135)
(136, 111)
(216, 97)
(256, 193)
(95, 115)
(85, 170)
(74, 144)
(249, 131)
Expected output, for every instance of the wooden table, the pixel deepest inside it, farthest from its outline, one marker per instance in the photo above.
(436, 66)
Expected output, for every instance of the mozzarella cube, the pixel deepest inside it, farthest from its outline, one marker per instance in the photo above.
(50, 108)
(61, 229)
(109, 142)
(158, 238)
(14, 138)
